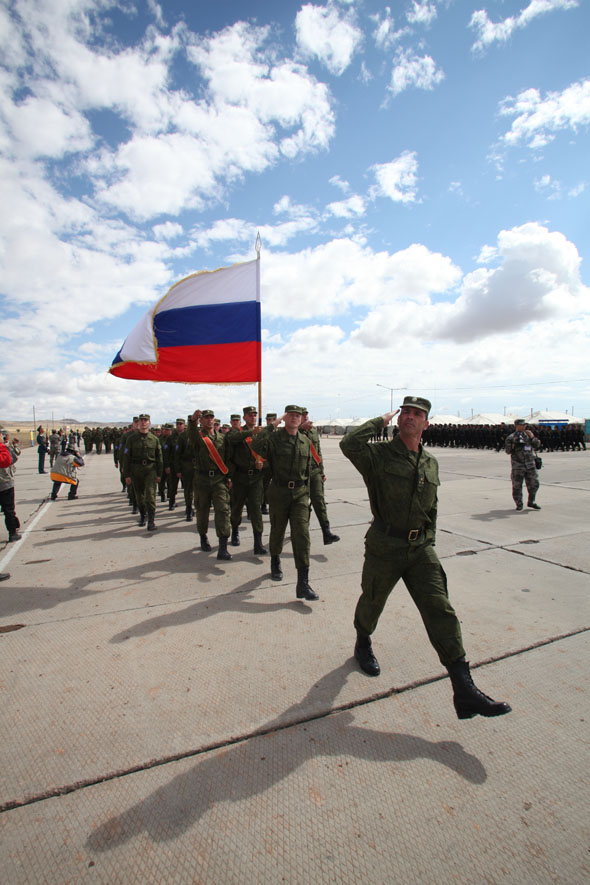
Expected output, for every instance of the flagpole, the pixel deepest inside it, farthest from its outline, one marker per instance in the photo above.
(258, 246)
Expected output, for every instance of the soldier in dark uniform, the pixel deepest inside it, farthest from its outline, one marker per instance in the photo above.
(87, 437)
(172, 478)
(211, 479)
(246, 481)
(270, 416)
(521, 446)
(134, 428)
(142, 467)
(317, 479)
(402, 481)
(165, 435)
(97, 438)
(288, 453)
(185, 461)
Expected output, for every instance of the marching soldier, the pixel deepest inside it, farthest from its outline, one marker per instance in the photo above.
(211, 479)
(246, 480)
(317, 479)
(172, 487)
(270, 416)
(142, 467)
(289, 455)
(185, 461)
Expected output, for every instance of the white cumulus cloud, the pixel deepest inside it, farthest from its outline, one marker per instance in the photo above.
(411, 70)
(489, 32)
(537, 119)
(398, 179)
(323, 32)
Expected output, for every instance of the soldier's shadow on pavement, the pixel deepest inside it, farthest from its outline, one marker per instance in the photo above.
(239, 600)
(492, 515)
(254, 766)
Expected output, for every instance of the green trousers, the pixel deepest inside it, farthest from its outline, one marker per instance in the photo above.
(214, 494)
(247, 490)
(289, 507)
(316, 495)
(389, 559)
(144, 486)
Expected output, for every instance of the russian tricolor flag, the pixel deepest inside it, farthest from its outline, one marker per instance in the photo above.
(206, 329)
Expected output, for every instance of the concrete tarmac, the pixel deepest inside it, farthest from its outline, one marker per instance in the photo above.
(170, 718)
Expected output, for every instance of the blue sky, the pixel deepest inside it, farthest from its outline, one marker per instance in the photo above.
(418, 173)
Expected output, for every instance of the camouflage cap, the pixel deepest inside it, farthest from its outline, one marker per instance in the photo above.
(144, 417)
(270, 416)
(250, 410)
(293, 408)
(519, 421)
(235, 417)
(135, 418)
(180, 421)
(207, 413)
(417, 402)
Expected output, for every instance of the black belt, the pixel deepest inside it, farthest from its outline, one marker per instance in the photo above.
(248, 471)
(210, 472)
(410, 535)
(292, 484)
(144, 463)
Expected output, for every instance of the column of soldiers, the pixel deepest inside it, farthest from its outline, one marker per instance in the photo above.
(227, 469)
(493, 436)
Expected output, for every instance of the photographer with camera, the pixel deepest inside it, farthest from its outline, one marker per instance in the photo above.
(522, 446)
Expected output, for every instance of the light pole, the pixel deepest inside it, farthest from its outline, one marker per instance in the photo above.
(390, 389)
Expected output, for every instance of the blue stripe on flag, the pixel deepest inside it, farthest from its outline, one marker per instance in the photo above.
(208, 324)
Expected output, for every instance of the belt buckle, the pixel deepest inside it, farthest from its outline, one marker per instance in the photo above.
(250, 473)
(291, 484)
(143, 463)
(413, 535)
(212, 473)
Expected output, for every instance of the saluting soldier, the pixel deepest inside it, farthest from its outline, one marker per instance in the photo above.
(317, 479)
(402, 481)
(288, 453)
(142, 467)
(211, 479)
(246, 480)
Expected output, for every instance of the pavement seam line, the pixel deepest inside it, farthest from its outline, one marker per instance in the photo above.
(56, 792)
(4, 562)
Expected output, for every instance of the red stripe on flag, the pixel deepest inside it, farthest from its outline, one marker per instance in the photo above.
(205, 364)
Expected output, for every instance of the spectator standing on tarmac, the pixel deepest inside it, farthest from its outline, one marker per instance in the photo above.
(288, 453)
(142, 468)
(317, 478)
(65, 469)
(521, 446)
(212, 479)
(5, 461)
(42, 447)
(246, 481)
(402, 482)
(7, 501)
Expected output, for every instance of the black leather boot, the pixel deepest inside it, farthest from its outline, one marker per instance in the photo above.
(276, 571)
(189, 514)
(303, 590)
(468, 699)
(258, 547)
(329, 536)
(141, 522)
(171, 504)
(205, 545)
(532, 505)
(264, 509)
(151, 526)
(235, 536)
(133, 507)
(222, 553)
(363, 652)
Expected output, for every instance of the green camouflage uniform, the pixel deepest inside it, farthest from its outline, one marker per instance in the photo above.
(402, 488)
(316, 483)
(210, 484)
(522, 457)
(142, 461)
(289, 459)
(246, 480)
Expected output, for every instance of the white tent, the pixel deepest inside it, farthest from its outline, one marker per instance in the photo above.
(490, 418)
(446, 419)
(557, 417)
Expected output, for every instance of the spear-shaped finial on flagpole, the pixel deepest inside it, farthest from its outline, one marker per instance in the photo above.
(258, 244)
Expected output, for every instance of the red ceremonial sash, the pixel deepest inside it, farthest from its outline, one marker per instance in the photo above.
(314, 453)
(213, 453)
(258, 458)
